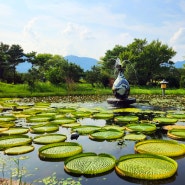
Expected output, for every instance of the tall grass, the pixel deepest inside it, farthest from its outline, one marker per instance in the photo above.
(48, 89)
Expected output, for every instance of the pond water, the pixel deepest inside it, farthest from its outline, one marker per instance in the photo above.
(34, 170)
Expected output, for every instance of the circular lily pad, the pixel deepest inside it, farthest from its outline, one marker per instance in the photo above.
(42, 128)
(131, 110)
(135, 137)
(116, 127)
(170, 127)
(7, 118)
(19, 150)
(160, 147)
(14, 140)
(16, 130)
(176, 134)
(177, 116)
(103, 115)
(89, 163)
(49, 138)
(125, 119)
(146, 166)
(71, 125)
(38, 118)
(106, 134)
(59, 150)
(86, 129)
(61, 121)
(142, 127)
(165, 120)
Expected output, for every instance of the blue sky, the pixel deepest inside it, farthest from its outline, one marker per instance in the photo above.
(91, 27)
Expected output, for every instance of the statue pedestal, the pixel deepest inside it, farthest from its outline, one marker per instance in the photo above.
(121, 102)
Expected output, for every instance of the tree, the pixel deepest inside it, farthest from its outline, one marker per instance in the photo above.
(3, 59)
(15, 57)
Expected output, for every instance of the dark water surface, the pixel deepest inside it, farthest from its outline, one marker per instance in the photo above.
(37, 169)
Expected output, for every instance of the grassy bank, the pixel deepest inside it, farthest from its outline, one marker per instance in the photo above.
(47, 89)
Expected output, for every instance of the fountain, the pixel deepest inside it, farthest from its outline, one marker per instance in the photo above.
(121, 87)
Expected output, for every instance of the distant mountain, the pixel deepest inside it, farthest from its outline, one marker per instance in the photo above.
(179, 64)
(84, 62)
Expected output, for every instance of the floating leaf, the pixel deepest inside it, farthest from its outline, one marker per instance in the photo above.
(86, 129)
(176, 133)
(160, 147)
(106, 134)
(165, 120)
(89, 163)
(142, 127)
(116, 127)
(61, 121)
(14, 140)
(125, 119)
(49, 138)
(19, 150)
(170, 127)
(60, 150)
(135, 137)
(103, 115)
(16, 130)
(7, 118)
(42, 128)
(146, 166)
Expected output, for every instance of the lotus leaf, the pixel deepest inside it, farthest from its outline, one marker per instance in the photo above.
(42, 128)
(66, 110)
(103, 115)
(146, 166)
(86, 129)
(7, 118)
(142, 127)
(19, 150)
(176, 133)
(89, 163)
(125, 119)
(16, 130)
(160, 147)
(135, 137)
(60, 150)
(82, 114)
(165, 120)
(14, 140)
(131, 110)
(106, 134)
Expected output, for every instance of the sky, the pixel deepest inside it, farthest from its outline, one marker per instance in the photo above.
(88, 28)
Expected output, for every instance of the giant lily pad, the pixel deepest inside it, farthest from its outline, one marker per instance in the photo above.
(165, 120)
(61, 121)
(103, 115)
(59, 150)
(42, 128)
(7, 118)
(16, 130)
(49, 138)
(135, 137)
(142, 127)
(37, 118)
(104, 134)
(19, 150)
(160, 147)
(86, 129)
(125, 119)
(146, 166)
(176, 133)
(89, 163)
(14, 140)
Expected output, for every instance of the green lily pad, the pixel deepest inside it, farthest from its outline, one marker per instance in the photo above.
(71, 125)
(135, 137)
(89, 163)
(130, 110)
(160, 147)
(61, 121)
(49, 138)
(59, 150)
(170, 127)
(19, 150)
(104, 134)
(176, 133)
(165, 120)
(14, 140)
(7, 118)
(86, 129)
(103, 115)
(42, 128)
(125, 119)
(146, 166)
(37, 118)
(141, 127)
(116, 127)
(16, 130)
